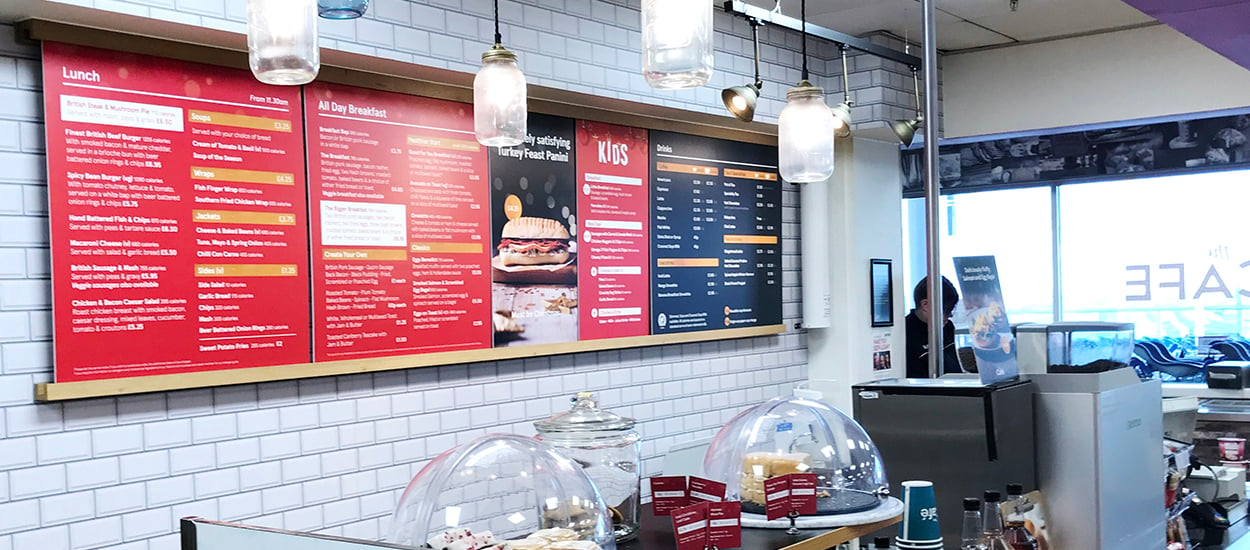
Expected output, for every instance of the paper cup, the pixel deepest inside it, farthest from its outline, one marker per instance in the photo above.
(920, 519)
(904, 545)
(1232, 449)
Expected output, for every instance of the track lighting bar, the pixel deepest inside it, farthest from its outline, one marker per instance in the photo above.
(738, 7)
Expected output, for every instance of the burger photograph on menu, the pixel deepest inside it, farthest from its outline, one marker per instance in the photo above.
(534, 241)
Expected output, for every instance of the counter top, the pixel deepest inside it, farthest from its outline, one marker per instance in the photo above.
(657, 534)
(1181, 389)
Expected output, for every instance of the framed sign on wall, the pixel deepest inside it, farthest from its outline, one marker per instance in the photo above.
(881, 279)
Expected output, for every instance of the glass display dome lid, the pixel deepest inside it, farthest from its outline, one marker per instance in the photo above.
(502, 488)
(789, 434)
(584, 416)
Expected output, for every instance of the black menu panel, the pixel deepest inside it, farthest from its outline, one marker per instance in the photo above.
(716, 234)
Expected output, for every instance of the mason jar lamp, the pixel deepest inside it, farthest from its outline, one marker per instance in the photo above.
(499, 96)
(676, 43)
(282, 41)
(805, 129)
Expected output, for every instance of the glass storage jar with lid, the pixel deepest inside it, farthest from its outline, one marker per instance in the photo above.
(606, 446)
(790, 434)
(517, 488)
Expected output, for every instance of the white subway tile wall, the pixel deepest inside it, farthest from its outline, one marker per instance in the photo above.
(333, 454)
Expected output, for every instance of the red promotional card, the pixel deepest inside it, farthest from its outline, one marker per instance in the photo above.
(178, 216)
(668, 493)
(724, 528)
(398, 186)
(690, 526)
(706, 490)
(614, 238)
(777, 497)
(803, 493)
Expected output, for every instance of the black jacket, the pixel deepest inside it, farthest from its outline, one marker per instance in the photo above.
(918, 348)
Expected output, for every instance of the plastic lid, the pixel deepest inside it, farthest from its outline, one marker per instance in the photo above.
(993, 496)
(972, 504)
(1015, 489)
(585, 416)
(881, 542)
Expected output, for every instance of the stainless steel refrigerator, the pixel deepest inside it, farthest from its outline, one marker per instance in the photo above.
(961, 435)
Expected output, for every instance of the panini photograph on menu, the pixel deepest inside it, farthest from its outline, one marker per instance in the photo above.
(533, 207)
(178, 216)
(399, 224)
(716, 234)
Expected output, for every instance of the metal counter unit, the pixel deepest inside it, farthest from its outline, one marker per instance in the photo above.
(955, 432)
(1225, 410)
(1098, 443)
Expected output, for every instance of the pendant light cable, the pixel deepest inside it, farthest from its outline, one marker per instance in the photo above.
(498, 37)
(803, 16)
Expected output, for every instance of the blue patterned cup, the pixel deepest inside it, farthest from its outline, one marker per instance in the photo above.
(920, 518)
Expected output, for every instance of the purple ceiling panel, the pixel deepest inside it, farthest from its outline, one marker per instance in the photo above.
(1221, 25)
(1156, 8)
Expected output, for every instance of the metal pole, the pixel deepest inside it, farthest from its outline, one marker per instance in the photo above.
(931, 191)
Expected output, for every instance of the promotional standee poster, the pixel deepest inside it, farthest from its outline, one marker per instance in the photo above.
(614, 239)
(716, 234)
(178, 216)
(534, 230)
(982, 296)
(399, 219)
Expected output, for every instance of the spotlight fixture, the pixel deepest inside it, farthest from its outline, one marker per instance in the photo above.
(499, 97)
(805, 128)
(740, 100)
(282, 41)
(842, 111)
(676, 43)
(906, 129)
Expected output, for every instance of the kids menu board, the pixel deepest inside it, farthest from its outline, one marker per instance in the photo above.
(204, 221)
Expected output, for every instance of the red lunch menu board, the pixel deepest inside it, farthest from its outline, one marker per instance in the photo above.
(179, 239)
(399, 222)
(612, 166)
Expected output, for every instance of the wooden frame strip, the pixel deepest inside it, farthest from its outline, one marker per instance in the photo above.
(842, 534)
(166, 382)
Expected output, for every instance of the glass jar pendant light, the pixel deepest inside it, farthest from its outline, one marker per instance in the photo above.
(676, 43)
(282, 41)
(342, 9)
(499, 97)
(805, 129)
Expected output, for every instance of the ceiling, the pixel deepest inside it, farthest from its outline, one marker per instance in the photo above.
(968, 24)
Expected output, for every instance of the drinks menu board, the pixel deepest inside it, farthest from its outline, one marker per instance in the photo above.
(399, 222)
(177, 216)
(612, 197)
(716, 234)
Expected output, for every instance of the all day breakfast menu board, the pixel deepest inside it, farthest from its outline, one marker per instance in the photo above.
(399, 224)
(177, 206)
(204, 221)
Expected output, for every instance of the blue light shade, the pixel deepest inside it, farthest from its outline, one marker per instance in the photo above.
(341, 9)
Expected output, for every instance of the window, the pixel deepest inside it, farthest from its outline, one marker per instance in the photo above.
(1171, 254)
(1013, 225)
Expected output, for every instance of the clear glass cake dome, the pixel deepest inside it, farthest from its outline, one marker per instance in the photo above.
(512, 486)
(791, 434)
